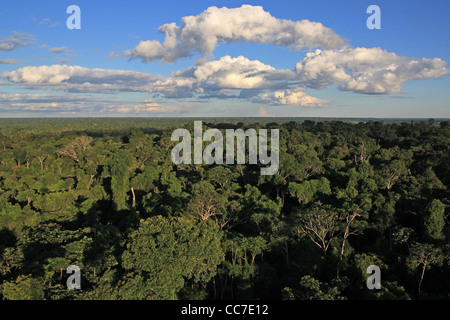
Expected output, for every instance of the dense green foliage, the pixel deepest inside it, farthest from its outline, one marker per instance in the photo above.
(103, 194)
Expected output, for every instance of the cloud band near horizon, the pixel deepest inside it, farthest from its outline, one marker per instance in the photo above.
(361, 70)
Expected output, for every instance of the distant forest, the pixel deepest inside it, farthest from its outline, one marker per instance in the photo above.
(104, 195)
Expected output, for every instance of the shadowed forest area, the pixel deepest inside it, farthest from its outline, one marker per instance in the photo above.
(104, 195)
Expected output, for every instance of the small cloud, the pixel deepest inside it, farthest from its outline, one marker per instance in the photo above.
(149, 106)
(292, 97)
(45, 21)
(72, 53)
(123, 109)
(48, 22)
(9, 61)
(17, 40)
(57, 50)
(62, 60)
(113, 55)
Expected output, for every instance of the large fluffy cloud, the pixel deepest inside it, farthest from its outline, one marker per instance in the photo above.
(365, 70)
(202, 33)
(227, 77)
(233, 73)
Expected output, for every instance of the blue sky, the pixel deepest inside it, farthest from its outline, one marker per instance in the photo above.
(225, 58)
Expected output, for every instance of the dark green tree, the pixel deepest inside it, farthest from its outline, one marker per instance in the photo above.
(165, 253)
(434, 220)
(119, 165)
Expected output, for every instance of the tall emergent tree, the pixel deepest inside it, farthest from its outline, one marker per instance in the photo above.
(119, 165)
(434, 220)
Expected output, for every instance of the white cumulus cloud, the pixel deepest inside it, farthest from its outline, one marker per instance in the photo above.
(293, 97)
(365, 70)
(202, 33)
(222, 78)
